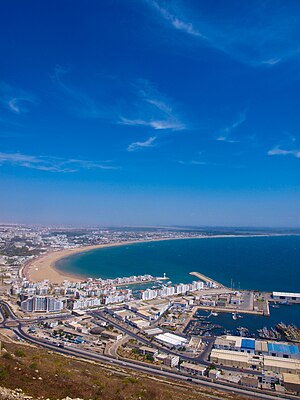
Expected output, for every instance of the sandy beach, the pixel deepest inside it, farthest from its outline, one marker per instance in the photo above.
(43, 267)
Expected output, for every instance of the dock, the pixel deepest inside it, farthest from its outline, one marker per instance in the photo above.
(206, 279)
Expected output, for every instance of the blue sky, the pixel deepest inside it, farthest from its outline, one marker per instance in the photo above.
(150, 112)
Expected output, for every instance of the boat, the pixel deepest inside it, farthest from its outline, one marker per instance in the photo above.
(215, 314)
(291, 332)
(270, 334)
(234, 316)
(243, 331)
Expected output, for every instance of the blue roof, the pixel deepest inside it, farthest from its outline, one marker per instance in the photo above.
(248, 344)
(283, 348)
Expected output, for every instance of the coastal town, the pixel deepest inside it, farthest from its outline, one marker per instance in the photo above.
(143, 320)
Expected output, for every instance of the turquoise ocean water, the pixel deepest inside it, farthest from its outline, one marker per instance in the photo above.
(263, 263)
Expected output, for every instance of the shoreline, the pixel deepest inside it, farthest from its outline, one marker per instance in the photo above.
(44, 268)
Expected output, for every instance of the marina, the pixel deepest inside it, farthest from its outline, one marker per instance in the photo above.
(252, 325)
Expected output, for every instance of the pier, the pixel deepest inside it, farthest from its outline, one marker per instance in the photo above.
(162, 278)
(206, 279)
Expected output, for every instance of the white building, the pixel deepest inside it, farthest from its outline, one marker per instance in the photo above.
(42, 304)
(194, 369)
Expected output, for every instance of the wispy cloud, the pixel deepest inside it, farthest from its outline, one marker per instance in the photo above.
(197, 162)
(14, 99)
(265, 36)
(155, 124)
(141, 145)
(288, 146)
(225, 135)
(141, 103)
(175, 21)
(78, 102)
(277, 151)
(50, 164)
(151, 108)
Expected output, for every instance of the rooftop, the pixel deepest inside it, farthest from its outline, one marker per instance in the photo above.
(283, 348)
(286, 294)
(291, 378)
(195, 367)
(172, 339)
(248, 343)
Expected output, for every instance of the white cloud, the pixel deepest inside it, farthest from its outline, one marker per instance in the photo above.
(277, 151)
(155, 124)
(140, 145)
(151, 108)
(222, 138)
(51, 164)
(265, 36)
(195, 162)
(15, 100)
(226, 132)
(176, 22)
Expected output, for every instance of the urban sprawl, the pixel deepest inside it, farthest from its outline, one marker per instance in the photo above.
(144, 320)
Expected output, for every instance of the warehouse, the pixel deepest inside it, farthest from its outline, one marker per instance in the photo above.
(292, 383)
(286, 297)
(284, 350)
(281, 365)
(193, 368)
(171, 340)
(230, 358)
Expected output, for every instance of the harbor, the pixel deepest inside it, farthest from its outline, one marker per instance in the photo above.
(210, 323)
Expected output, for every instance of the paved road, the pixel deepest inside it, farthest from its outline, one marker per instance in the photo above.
(143, 368)
(152, 370)
(201, 359)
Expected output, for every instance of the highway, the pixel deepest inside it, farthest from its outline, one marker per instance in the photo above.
(18, 329)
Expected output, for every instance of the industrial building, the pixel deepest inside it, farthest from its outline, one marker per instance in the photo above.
(291, 383)
(236, 359)
(251, 361)
(171, 340)
(169, 360)
(235, 343)
(258, 347)
(194, 369)
(286, 297)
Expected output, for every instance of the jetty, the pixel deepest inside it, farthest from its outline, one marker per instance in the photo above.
(206, 279)
(162, 278)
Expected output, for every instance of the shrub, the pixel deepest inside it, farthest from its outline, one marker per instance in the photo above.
(33, 365)
(131, 379)
(3, 372)
(19, 353)
(8, 356)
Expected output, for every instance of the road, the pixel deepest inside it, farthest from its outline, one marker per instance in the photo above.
(201, 359)
(145, 369)
(18, 329)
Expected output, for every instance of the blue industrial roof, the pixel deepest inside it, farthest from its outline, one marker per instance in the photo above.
(248, 344)
(283, 348)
